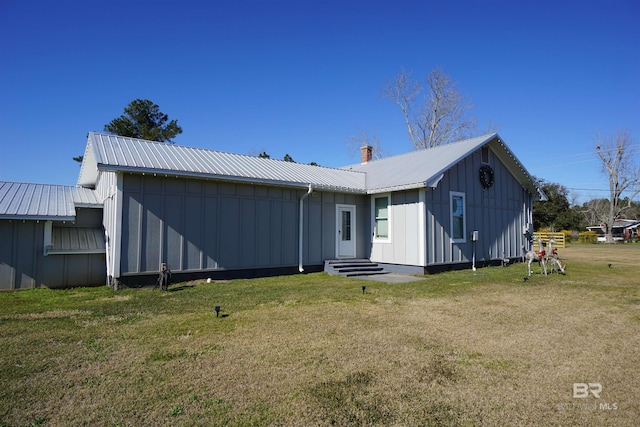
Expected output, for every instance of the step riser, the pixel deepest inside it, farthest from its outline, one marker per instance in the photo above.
(361, 270)
(339, 267)
(353, 268)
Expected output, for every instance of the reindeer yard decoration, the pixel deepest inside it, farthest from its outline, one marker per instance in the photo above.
(539, 256)
(553, 259)
(545, 257)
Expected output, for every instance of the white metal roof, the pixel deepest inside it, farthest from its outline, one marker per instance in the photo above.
(110, 152)
(77, 240)
(425, 168)
(19, 200)
(416, 169)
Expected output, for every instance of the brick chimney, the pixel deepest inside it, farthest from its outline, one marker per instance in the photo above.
(366, 153)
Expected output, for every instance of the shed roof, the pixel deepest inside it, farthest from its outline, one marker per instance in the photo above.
(19, 200)
(110, 152)
(75, 240)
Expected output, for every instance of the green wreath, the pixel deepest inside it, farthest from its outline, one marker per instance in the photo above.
(486, 176)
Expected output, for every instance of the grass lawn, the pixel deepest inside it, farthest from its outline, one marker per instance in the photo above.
(458, 348)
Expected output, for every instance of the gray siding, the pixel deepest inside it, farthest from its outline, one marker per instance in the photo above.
(199, 225)
(24, 266)
(498, 213)
(406, 240)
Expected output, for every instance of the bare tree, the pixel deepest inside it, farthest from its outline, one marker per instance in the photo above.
(618, 164)
(363, 138)
(435, 116)
(594, 211)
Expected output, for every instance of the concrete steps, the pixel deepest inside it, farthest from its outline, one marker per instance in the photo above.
(353, 267)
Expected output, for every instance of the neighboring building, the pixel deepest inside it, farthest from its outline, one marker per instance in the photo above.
(623, 230)
(212, 214)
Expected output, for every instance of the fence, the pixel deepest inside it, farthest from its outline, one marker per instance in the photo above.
(546, 236)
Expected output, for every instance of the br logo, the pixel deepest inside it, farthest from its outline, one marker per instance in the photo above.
(582, 390)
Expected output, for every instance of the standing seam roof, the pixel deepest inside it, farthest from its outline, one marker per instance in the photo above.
(128, 154)
(415, 169)
(19, 200)
(407, 171)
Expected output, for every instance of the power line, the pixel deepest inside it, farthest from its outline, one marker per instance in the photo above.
(585, 189)
(592, 154)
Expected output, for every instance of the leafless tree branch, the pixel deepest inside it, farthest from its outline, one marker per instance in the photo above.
(439, 117)
(623, 173)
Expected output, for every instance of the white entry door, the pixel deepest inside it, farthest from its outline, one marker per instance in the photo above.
(345, 231)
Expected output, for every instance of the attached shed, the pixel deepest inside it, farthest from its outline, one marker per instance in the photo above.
(50, 236)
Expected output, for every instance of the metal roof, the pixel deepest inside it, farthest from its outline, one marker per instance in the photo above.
(417, 169)
(110, 152)
(77, 240)
(19, 200)
(425, 168)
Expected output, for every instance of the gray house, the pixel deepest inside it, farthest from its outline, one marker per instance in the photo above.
(50, 236)
(213, 214)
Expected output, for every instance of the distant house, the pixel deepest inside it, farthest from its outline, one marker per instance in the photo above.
(212, 214)
(623, 230)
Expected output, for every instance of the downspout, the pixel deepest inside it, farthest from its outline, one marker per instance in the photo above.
(301, 230)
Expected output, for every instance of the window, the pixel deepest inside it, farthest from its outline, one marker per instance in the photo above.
(346, 226)
(485, 154)
(458, 224)
(381, 217)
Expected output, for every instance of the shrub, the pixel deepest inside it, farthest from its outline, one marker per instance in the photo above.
(588, 237)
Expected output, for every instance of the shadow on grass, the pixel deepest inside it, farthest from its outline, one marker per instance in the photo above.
(180, 288)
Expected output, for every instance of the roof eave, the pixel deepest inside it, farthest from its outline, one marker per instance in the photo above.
(227, 178)
(36, 217)
(394, 188)
(518, 170)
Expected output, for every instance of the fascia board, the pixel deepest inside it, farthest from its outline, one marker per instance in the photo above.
(227, 178)
(37, 218)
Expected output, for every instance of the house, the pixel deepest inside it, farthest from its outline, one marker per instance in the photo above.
(212, 214)
(623, 230)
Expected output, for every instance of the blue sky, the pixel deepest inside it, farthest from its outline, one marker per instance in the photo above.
(300, 77)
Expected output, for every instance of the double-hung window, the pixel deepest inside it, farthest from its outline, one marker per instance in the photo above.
(458, 220)
(381, 218)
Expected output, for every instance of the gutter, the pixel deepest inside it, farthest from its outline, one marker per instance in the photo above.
(230, 178)
(301, 228)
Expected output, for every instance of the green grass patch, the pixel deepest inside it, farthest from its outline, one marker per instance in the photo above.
(457, 348)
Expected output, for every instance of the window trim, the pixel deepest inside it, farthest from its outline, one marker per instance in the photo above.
(375, 238)
(452, 195)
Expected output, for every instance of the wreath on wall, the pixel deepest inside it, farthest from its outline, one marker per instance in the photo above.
(486, 176)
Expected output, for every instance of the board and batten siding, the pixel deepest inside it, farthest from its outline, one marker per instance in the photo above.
(205, 225)
(498, 213)
(406, 241)
(23, 264)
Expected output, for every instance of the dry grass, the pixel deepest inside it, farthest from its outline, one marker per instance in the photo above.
(456, 349)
